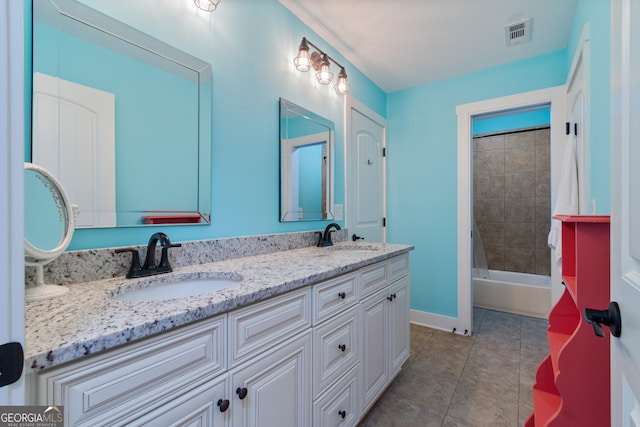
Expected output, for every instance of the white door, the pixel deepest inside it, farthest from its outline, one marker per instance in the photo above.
(577, 101)
(365, 172)
(625, 210)
(11, 191)
(74, 139)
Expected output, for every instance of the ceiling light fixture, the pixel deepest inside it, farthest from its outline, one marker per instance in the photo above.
(207, 5)
(319, 60)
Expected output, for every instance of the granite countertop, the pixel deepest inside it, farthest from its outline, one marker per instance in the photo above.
(86, 320)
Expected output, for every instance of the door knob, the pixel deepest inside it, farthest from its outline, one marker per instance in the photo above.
(355, 237)
(610, 317)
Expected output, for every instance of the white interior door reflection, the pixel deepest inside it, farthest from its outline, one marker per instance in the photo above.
(304, 175)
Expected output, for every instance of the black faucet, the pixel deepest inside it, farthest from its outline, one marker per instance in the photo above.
(325, 240)
(150, 268)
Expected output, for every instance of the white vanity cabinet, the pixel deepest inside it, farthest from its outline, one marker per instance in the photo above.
(316, 356)
(385, 326)
(119, 387)
(369, 319)
(270, 357)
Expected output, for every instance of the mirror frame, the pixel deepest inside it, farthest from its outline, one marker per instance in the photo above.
(101, 22)
(286, 108)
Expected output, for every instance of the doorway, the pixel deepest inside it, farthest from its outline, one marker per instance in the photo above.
(511, 211)
(555, 98)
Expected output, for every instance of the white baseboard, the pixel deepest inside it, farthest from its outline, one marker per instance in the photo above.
(437, 321)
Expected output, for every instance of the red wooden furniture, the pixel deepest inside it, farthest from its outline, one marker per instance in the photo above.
(572, 382)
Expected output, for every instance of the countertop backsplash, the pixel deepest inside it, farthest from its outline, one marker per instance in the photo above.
(97, 264)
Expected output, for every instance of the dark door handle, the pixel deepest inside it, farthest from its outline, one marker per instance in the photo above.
(11, 363)
(223, 404)
(241, 392)
(610, 317)
(355, 238)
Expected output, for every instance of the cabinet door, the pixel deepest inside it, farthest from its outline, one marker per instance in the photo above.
(274, 389)
(197, 407)
(398, 324)
(375, 372)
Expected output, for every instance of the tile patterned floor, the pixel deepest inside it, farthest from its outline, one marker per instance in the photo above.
(455, 381)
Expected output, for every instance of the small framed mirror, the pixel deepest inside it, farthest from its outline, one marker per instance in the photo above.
(306, 170)
(48, 226)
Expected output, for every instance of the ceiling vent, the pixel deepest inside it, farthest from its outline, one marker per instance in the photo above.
(518, 32)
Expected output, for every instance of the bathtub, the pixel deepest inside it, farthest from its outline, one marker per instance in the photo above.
(518, 293)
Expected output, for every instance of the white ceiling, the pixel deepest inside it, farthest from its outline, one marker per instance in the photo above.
(405, 43)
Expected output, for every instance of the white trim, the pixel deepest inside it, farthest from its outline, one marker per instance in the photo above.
(11, 186)
(554, 96)
(353, 104)
(436, 321)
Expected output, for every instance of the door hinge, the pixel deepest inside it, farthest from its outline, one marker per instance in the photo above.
(575, 129)
(384, 151)
(384, 222)
(568, 128)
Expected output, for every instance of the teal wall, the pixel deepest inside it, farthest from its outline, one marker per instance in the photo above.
(597, 14)
(503, 122)
(422, 140)
(251, 45)
(422, 168)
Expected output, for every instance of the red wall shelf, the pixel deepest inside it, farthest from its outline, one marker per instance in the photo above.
(572, 382)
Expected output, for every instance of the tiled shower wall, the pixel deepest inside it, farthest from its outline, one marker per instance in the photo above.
(511, 199)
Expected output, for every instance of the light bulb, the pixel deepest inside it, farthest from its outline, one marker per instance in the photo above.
(325, 75)
(342, 86)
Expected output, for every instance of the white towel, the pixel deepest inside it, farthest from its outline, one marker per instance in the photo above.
(567, 202)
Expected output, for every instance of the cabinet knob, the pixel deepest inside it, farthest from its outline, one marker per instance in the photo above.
(241, 392)
(223, 404)
(391, 297)
(610, 317)
(342, 295)
(342, 347)
(343, 414)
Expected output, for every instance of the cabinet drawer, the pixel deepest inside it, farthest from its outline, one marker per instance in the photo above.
(260, 326)
(333, 296)
(373, 278)
(398, 267)
(127, 379)
(336, 349)
(339, 406)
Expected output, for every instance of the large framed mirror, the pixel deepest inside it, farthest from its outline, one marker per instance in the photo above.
(306, 171)
(121, 119)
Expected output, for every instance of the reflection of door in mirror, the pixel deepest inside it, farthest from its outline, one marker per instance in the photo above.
(305, 164)
(74, 139)
(305, 174)
(161, 118)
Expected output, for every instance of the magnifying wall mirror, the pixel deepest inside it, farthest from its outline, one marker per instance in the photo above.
(306, 171)
(48, 227)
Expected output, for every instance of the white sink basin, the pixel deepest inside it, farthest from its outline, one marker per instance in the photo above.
(161, 287)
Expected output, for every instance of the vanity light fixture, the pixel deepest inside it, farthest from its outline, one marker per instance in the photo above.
(207, 5)
(319, 60)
